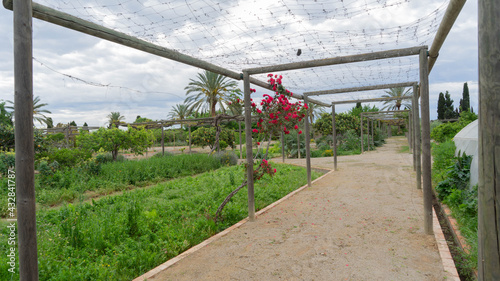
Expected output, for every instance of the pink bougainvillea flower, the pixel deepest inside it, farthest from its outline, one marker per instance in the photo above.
(258, 143)
(255, 130)
(275, 170)
(296, 127)
(300, 132)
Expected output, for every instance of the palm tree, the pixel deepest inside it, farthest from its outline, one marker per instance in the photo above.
(208, 90)
(396, 93)
(38, 112)
(179, 112)
(115, 118)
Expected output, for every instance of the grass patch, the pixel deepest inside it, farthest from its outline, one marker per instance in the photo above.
(404, 149)
(121, 237)
(81, 182)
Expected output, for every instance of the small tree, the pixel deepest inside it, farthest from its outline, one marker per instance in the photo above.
(114, 139)
(465, 101)
(449, 110)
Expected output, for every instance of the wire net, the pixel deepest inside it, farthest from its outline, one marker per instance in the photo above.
(252, 33)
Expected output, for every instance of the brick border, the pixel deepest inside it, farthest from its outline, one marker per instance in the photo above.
(155, 271)
(444, 251)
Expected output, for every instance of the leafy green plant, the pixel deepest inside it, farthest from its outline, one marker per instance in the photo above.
(206, 137)
(7, 159)
(121, 237)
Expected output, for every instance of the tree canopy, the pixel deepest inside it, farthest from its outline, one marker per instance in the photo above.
(209, 90)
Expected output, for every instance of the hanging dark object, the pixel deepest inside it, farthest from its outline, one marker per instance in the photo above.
(299, 52)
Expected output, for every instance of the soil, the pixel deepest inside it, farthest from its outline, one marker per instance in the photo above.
(362, 222)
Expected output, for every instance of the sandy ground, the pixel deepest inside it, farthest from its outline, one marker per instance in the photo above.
(362, 222)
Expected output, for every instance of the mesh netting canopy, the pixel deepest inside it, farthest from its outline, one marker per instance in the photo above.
(244, 34)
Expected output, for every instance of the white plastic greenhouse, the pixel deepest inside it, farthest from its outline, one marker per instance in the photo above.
(467, 141)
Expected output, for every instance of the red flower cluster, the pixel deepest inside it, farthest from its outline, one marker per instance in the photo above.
(278, 112)
(264, 168)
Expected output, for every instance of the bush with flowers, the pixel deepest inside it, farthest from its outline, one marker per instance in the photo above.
(277, 113)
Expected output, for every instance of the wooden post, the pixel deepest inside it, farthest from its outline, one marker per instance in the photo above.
(417, 146)
(248, 136)
(489, 141)
(334, 136)
(298, 145)
(25, 152)
(282, 137)
(410, 132)
(241, 148)
(362, 145)
(368, 133)
(372, 133)
(162, 140)
(189, 129)
(308, 144)
(426, 141)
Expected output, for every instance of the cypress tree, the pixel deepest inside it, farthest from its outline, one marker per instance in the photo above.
(465, 104)
(449, 110)
(441, 106)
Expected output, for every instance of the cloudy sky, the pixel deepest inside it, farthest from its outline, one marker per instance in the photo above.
(84, 78)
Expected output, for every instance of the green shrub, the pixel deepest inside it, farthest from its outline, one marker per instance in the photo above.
(7, 160)
(349, 141)
(447, 131)
(206, 137)
(457, 177)
(443, 155)
(105, 157)
(227, 158)
(67, 157)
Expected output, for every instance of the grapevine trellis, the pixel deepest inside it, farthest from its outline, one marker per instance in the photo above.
(391, 61)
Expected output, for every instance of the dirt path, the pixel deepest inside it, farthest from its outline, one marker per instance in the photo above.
(363, 222)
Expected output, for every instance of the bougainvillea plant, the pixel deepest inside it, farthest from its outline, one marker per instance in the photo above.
(277, 113)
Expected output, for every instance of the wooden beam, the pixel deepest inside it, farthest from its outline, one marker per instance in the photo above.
(371, 100)
(489, 141)
(426, 142)
(336, 60)
(451, 14)
(359, 89)
(71, 22)
(23, 130)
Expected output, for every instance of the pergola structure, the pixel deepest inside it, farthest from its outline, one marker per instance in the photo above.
(489, 128)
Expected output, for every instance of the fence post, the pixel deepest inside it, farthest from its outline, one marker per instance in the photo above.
(362, 145)
(241, 148)
(25, 153)
(248, 136)
(489, 141)
(426, 141)
(334, 136)
(308, 144)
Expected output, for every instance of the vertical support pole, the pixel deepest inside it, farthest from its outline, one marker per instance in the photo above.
(308, 144)
(241, 148)
(410, 131)
(372, 121)
(298, 146)
(248, 136)
(189, 128)
(25, 152)
(426, 141)
(334, 136)
(282, 139)
(489, 141)
(362, 145)
(368, 133)
(162, 141)
(417, 147)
